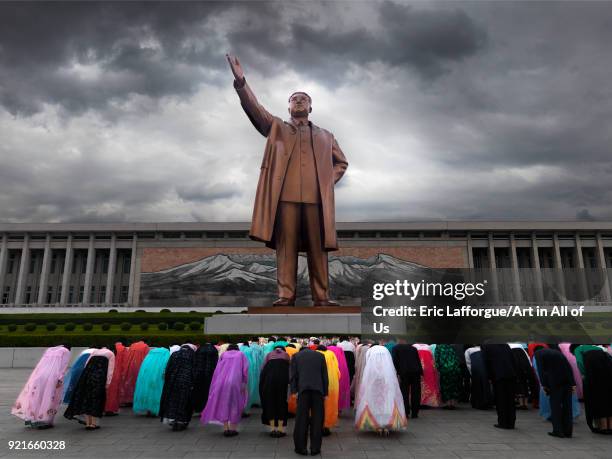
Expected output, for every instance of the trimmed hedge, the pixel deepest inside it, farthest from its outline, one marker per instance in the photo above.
(88, 326)
(12, 327)
(51, 326)
(162, 326)
(69, 326)
(125, 326)
(95, 340)
(195, 326)
(101, 317)
(105, 326)
(144, 326)
(29, 327)
(179, 326)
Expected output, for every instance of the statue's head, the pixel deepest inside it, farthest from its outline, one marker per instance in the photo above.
(300, 104)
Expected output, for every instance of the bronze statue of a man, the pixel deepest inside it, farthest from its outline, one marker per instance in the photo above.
(294, 205)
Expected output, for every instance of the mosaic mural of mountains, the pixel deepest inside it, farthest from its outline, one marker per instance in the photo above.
(250, 280)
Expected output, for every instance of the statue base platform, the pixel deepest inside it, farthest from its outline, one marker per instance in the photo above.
(313, 321)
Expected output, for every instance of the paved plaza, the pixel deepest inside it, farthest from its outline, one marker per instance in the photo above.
(465, 433)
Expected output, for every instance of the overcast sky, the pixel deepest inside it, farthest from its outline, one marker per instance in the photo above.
(126, 112)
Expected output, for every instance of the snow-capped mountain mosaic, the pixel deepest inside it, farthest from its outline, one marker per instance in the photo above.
(250, 280)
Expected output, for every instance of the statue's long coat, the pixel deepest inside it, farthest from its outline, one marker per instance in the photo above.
(329, 159)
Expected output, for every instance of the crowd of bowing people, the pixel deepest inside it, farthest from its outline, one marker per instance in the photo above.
(316, 379)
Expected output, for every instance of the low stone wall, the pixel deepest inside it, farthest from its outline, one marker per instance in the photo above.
(266, 324)
(28, 357)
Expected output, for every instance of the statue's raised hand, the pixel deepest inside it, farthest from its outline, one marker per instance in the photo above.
(236, 67)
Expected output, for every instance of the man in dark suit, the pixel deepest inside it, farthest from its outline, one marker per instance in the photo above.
(558, 382)
(500, 365)
(409, 369)
(309, 381)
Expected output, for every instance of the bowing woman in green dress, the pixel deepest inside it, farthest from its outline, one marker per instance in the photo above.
(449, 368)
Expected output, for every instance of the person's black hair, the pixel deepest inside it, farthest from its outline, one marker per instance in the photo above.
(316, 341)
(538, 347)
(272, 339)
(573, 347)
(293, 340)
(280, 346)
(233, 347)
(320, 347)
(291, 345)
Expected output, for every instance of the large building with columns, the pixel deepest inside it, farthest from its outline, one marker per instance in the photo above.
(210, 265)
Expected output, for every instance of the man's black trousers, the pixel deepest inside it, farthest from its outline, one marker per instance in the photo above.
(505, 402)
(561, 409)
(309, 417)
(410, 385)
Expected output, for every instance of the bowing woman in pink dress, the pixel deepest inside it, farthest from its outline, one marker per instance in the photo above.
(42, 394)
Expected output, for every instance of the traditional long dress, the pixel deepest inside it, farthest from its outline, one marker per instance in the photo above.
(72, 378)
(222, 348)
(333, 389)
(206, 358)
(571, 358)
(135, 355)
(255, 355)
(176, 404)
(597, 385)
(360, 358)
(114, 389)
(525, 377)
(344, 397)
(42, 394)
(89, 395)
(273, 388)
(430, 385)
(579, 353)
(531, 349)
(228, 390)
(349, 354)
(292, 402)
(447, 364)
(379, 403)
(269, 347)
(150, 382)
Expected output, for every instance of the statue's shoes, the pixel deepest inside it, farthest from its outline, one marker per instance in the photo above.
(284, 302)
(326, 303)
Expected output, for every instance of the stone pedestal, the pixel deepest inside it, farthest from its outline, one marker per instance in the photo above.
(343, 320)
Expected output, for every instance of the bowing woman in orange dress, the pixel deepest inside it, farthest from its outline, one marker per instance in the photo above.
(333, 390)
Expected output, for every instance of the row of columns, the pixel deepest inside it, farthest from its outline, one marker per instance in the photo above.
(606, 290)
(68, 260)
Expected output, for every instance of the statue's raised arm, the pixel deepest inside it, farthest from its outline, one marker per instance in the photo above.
(259, 116)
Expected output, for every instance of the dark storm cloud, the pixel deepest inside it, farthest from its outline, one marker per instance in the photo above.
(169, 49)
(154, 49)
(425, 41)
(125, 111)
